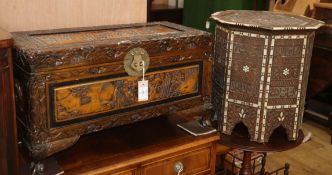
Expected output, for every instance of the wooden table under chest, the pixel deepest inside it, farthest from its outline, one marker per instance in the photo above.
(70, 82)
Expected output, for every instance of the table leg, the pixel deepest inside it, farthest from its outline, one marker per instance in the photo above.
(262, 172)
(271, 5)
(246, 168)
(254, 4)
(330, 125)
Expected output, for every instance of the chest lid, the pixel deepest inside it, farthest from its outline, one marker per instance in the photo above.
(38, 51)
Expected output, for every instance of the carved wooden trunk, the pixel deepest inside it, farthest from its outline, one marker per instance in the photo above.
(71, 82)
(261, 70)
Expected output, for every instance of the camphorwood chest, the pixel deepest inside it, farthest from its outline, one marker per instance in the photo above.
(71, 82)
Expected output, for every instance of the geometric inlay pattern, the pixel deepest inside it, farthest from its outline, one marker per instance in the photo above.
(266, 83)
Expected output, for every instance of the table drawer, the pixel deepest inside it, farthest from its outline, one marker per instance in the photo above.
(125, 172)
(194, 162)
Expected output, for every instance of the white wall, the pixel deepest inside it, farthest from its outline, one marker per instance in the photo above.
(19, 15)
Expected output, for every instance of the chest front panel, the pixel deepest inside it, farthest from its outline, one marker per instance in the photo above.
(86, 99)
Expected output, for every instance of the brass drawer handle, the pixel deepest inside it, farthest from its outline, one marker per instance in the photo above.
(178, 167)
(134, 61)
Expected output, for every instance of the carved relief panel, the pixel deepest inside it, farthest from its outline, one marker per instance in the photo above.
(72, 102)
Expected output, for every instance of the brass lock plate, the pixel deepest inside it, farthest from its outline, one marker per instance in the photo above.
(134, 61)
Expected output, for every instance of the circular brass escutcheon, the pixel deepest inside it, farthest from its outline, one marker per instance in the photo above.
(134, 61)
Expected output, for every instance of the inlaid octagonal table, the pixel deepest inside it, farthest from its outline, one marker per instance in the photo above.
(261, 70)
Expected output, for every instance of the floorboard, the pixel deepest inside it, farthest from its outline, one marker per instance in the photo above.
(311, 158)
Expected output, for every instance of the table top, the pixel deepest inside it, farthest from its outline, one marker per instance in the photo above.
(266, 20)
(278, 142)
(136, 142)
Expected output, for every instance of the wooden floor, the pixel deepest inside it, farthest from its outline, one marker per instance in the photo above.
(311, 158)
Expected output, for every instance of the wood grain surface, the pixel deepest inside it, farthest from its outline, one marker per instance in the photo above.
(22, 15)
(151, 147)
(8, 138)
(313, 157)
